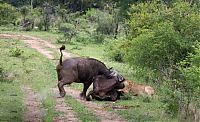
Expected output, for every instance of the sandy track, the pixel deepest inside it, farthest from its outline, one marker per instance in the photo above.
(34, 111)
(61, 107)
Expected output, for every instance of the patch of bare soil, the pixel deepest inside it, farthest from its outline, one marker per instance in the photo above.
(34, 111)
(66, 113)
(97, 110)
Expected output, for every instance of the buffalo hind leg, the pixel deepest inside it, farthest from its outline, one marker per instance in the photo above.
(61, 86)
(85, 87)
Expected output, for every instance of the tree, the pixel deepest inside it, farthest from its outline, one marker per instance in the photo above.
(47, 15)
(24, 12)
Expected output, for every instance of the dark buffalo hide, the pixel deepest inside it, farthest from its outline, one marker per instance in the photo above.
(81, 70)
(105, 89)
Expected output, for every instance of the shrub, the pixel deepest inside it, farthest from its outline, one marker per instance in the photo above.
(163, 41)
(68, 30)
(160, 36)
(83, 37)
(3, 77)
(185, 89)
(106, 24)
(8, 14)
(93, 15)
(105, 21)
(81, 23)
(8, 27)
(115, 49)
(40, 25)
(97, 38)
(16, 52)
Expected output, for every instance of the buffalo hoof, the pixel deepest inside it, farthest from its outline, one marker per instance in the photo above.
(62, 94)
(88, 99)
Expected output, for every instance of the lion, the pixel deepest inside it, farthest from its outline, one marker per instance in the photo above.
(137, 89)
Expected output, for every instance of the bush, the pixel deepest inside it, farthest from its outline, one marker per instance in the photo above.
(8, 14)
(16, 52)
(3, 77)
(93, 15)
(106, 24)
(185, 89)
(81, 23)
(115, 49)
(83, 37)
(97, 38)
(105, 21)
(163, 40)
(8, 27)
(68, 30)
(160, 38)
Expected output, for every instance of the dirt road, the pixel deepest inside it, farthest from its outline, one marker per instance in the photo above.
(65, 112)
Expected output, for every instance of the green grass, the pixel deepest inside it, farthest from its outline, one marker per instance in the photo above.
(11, 106)
(48, 104)
(82, 112)
(29, 68)
(32, 69)
(153, 111)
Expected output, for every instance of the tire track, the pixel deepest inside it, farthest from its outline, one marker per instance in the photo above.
(97, 110)
(34, 111)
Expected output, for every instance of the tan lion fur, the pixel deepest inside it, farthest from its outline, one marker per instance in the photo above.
(137, 89)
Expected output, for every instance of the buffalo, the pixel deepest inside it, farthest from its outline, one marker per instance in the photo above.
(106, 89)
(80, 70)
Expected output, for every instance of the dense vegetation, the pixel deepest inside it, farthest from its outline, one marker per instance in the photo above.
(159, 39)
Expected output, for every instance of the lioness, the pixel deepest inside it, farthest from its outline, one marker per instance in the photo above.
(137, 89)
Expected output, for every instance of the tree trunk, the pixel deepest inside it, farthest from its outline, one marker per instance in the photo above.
(116, 31)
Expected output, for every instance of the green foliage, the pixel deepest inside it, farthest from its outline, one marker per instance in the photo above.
(98, 38)
(62, 13)
(115, 49)
(48, 104)
(93, 15)
(66, 27)
(162, 41)
(24, 11)
(81, 23)
(106, 24)
(16, 52)
(8, 14)
(161, 36)
(17, 3)
(83, 37)
(47, 15)
(186, 87)
(3, 77)
(12, 107)
(68, 30)
(8, 27)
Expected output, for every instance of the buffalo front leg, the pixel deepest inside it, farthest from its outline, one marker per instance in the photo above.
(85, 87)
(88, 95)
